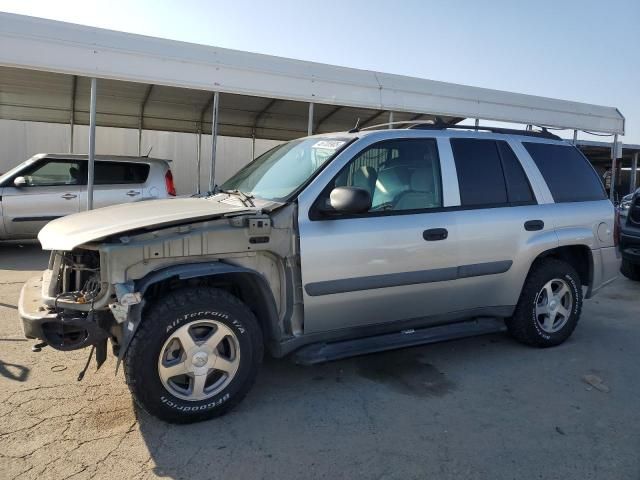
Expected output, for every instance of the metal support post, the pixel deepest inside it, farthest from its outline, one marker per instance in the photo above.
(575, 137)
(92, 144)
(253, 145)
(72, 118)
(310, 121)
(477, 122)
(634, 172)
(614, 146)
(198, 157)
(390, 120)
(214, 139)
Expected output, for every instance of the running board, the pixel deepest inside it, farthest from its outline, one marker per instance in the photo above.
(326, 352)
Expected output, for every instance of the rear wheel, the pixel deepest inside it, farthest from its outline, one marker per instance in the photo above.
(195, 355)
(549, 306)
(630, 270)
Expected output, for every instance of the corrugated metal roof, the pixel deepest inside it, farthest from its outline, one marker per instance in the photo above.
(260, 94)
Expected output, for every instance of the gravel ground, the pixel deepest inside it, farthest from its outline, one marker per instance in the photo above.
(478, 408)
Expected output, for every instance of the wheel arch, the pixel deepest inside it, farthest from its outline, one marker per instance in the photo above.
(579, 256)
(248, 285)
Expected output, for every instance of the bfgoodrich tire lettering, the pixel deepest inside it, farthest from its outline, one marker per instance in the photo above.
(179, 311)
(549, 306)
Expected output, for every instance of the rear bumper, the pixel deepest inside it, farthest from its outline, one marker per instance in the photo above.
(606, 267)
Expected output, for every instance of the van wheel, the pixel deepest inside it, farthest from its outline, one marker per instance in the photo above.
(630, 270)
(194, 356)
(549, 305)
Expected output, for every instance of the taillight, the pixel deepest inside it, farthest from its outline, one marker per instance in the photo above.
(168, 181)
(616, 228)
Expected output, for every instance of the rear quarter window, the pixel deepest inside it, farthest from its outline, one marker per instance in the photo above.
(568, 173)
(120, 173)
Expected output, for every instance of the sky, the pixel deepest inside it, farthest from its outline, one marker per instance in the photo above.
(582, 50)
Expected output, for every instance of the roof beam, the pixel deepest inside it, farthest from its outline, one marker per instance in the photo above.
(263, 112)
(327, 117)
(206, 107)
(143, 107)
(372, 118)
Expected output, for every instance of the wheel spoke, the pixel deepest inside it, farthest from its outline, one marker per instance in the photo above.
(549, 321)
(562, 291)
(167, 372)
(549, 289)
(562, 310)
(185, 338)
(542, 310)
(217, 337)
(197, 385)
(226, 365)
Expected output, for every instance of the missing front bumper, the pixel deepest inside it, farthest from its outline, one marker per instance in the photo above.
(61, 330)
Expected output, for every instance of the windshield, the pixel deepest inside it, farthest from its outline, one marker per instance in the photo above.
(282, 170)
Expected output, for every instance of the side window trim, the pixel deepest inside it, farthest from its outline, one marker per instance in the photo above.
(536, 180)
(448, 173)
(504, 174)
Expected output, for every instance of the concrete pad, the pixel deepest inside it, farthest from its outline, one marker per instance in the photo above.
(484, 407)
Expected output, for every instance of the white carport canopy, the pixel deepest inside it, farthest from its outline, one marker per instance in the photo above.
(47, 67)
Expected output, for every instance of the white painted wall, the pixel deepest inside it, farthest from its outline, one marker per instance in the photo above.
(20, 140)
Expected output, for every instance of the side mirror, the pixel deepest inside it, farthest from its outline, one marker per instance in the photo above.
(19, 182)
(348, 200)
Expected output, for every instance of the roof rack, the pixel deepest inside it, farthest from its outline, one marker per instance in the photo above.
(430, 125)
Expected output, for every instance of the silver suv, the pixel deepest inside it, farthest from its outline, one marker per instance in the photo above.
(326, 247)
(49, 186)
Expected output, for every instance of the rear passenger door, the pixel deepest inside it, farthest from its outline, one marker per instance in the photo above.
(498, 217)
(117, 182)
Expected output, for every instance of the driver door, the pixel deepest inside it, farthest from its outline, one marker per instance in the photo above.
(394, 262)
(51, 190)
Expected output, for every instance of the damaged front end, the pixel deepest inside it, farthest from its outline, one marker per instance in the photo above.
(66, 306)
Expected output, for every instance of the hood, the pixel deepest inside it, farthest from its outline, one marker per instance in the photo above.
(66, 233)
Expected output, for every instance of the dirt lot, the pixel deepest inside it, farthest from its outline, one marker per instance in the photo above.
(477, 408)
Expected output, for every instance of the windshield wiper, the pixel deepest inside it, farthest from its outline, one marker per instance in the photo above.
(244, 198)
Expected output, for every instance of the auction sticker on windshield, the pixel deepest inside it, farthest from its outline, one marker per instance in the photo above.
(328, 144)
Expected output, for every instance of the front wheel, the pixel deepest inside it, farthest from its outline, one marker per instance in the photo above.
(549, 306)
(195, 355)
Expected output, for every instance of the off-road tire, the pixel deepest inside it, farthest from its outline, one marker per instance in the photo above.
(170, 312)
(630, 270)
(523, 325)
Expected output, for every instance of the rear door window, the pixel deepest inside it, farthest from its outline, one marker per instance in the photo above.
(489, 174)
(480, 175)
(567, 172)
(120, 173)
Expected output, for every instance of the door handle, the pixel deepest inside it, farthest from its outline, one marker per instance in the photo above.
(434, 234)
(533, 225)
(69, 196)
(132, 193)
